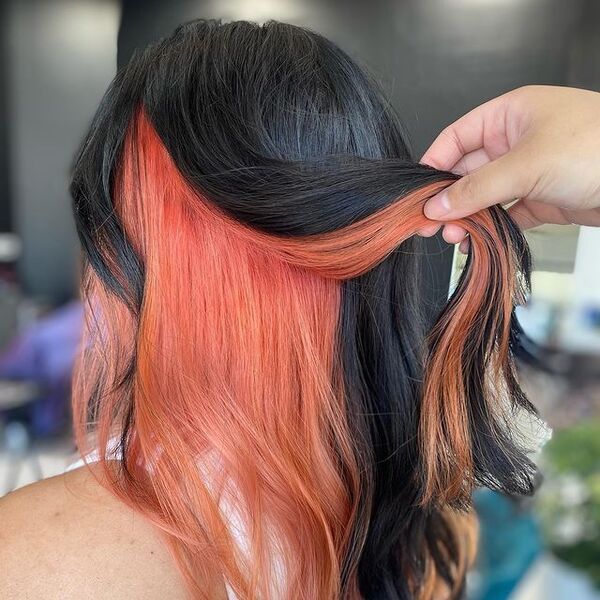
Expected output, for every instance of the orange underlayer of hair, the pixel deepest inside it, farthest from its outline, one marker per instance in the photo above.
(237, 393)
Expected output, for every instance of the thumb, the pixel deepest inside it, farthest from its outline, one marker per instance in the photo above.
(499, 181)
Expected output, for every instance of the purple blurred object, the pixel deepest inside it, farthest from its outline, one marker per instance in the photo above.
(44, 354)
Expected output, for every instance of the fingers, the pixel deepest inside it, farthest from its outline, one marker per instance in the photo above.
(528, 214)
(531, 213)
(429, 230)
(523, 216)
(453, 234)
(496, 182)
(464, 136)
(458, 139)
(471, 162)
(464, 246)
(589, 217)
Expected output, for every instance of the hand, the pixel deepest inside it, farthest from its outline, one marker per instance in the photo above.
(537, 146)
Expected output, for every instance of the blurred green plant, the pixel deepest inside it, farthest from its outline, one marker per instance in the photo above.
(569, 500)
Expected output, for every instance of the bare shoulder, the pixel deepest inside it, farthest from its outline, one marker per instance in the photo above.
(67, 537)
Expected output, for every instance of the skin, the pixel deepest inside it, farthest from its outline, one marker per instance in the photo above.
(537, 147)
(67, 538)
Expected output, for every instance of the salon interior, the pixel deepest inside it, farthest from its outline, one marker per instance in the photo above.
(436, 59)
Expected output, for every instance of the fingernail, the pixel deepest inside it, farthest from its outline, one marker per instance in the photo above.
(438, 206)
(429, 230)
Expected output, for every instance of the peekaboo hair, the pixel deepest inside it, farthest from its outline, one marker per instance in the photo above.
(255, 335)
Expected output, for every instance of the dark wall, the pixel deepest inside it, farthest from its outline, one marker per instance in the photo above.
(452, 55)
(584, 52)
(61, 56)
(5, 204)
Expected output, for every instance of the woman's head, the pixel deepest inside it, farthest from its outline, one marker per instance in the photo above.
(247, 205)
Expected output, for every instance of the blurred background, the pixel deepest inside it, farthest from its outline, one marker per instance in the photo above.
(436, 59)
